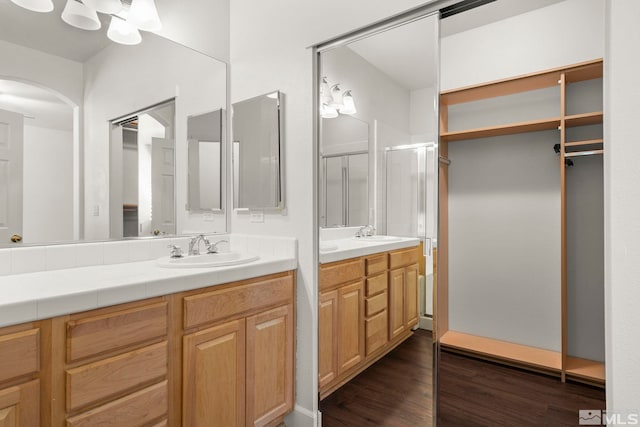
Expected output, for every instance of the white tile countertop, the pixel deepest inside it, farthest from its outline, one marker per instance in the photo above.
(45, 294)
(340, 249)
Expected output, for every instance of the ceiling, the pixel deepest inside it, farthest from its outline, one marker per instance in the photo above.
(39, 106)
(47, 32)
(409, 63)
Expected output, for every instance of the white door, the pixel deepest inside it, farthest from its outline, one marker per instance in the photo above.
(162, 186)
(11, 156)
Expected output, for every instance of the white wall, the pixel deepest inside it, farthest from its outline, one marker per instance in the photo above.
(556, 35)
(422, 106)
(202, 25)
(622, 204)
(32, 66)
(269, 51)
(121, 80)
(48, 185)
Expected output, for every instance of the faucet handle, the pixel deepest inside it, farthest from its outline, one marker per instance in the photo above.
(212, 248)
(176, 251)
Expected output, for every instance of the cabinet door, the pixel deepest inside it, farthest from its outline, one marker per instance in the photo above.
(214, 376)
(411, 296)
(20, 405)
(396, 302)
(328, 337)
(351, 326)
(270, 352)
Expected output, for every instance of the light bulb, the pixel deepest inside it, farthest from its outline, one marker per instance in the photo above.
(121, 31)
(80, 16)
(144, 15)
(348, 105)
(110, 7)
(42, 6)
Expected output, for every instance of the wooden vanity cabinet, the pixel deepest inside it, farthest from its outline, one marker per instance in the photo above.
(222, 355)
(238, 353)
(365, 310)
(20, 376)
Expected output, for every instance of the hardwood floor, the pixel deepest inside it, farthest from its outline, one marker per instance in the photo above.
(472, 392)
(396, 391)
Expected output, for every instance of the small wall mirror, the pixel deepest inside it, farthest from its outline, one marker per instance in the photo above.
(204, 139)
(257, 148)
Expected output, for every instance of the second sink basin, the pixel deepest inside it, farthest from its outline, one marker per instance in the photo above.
(207, 260)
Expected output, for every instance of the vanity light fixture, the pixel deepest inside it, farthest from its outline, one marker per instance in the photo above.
(121, 31)
(334, 100)
(128, 17)
(144, 15)
(79, 15)
(41, 6)
(104, 6)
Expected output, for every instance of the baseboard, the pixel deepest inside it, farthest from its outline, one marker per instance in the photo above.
(301, 417)
(425, 322)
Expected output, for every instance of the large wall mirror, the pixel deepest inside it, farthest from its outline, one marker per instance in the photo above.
(95, 136)
(377, 172)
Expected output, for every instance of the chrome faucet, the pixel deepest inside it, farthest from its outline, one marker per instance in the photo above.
(366, 231)
(194, 244)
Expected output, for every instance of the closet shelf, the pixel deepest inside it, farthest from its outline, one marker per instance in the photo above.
(502, 130)
(584, 369)
(583, 119)
(584, 153)
(584, 142)
(548, 78)
(515, 354)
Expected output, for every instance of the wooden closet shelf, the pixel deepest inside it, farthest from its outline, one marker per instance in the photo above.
(577, 72)
(585, 369)
(502, 130)
(583, 119)
(584, 142)
(584, 153)
(495, 349)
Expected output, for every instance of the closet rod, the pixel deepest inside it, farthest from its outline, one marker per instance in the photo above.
(445, 160)
(584, 153)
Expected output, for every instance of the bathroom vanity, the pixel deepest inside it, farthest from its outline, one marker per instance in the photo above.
(368, 305)
(213, 344)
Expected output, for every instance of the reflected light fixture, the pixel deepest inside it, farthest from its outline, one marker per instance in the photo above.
(104, 6)
(41, 6)
(121, 31)
(144, 15)
(348, 104)
(334, 100)
(81, 16)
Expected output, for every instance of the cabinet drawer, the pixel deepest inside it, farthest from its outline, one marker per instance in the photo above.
(135, 409)
(110, 377)
(375, 304)
(241, 299)
(376, 264)
(340, 272)
(95, 335)
(403, 257)
(376, 330)
(20, 354)
(376, 284)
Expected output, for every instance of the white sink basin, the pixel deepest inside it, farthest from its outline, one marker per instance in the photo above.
(377, 239)
(328, 247)
(207, 260)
